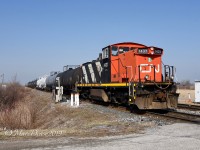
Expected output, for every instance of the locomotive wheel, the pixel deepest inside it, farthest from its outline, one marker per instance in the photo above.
(134, 109)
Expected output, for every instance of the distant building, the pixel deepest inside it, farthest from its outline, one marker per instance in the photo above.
(197, 91)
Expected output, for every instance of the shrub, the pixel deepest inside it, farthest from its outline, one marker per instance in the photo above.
(10, 95)
(14, 112)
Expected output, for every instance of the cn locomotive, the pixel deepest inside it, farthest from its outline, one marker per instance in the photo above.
(124, 73)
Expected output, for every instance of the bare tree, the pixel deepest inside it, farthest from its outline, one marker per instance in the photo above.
(186, 84)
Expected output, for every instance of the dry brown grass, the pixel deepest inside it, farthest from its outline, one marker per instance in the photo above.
(18, 117)
(19, 107)
(14, 113)
(10, 95)
(82, 121)
(36, 113)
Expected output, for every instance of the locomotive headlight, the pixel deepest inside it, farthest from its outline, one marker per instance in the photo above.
(147, 77)
(152, 48)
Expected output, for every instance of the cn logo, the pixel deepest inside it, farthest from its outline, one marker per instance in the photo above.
(147, 68)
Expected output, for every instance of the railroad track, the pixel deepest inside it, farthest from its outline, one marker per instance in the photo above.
(186, 117)
(174, 115)
(190, 107)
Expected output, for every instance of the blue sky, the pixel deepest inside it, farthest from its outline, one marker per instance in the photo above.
(39, 36)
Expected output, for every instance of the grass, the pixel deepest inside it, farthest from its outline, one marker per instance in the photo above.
(33, 114)
(14, 113)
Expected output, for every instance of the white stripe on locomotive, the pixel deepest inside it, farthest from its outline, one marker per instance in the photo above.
(85, 74)
(92, 73)
(99, 67)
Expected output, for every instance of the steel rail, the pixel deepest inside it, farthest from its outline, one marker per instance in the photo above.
(192, 118)
(190, 107)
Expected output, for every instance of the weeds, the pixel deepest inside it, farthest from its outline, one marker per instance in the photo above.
(10, 95)
(24, 108)
(14, 111)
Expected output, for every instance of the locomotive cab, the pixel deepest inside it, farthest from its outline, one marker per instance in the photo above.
(139, 64)
(141, 68)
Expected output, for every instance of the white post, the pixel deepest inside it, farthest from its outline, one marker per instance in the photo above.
(77, 99)
(72, 99)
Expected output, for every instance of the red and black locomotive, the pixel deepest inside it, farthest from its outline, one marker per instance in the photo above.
(125, 73)
(128, 73)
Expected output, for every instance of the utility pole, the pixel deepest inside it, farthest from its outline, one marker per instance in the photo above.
(2, 77)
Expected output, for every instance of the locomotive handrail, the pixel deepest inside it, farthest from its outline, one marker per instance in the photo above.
(171, 72)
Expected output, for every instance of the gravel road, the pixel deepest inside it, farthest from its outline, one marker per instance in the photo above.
(176, 136)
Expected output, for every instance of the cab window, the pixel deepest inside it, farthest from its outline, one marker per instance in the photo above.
(114, 51)
(105, 53)
(123, 49)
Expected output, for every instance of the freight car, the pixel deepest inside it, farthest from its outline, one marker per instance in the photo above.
(124, 73)
(51, 81)
(32, 84)
(41, 82)
(69, 77)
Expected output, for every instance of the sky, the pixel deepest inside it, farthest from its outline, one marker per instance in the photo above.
(40, 36)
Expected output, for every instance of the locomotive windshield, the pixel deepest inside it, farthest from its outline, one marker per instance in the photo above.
(123, 49)
(116, 51)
